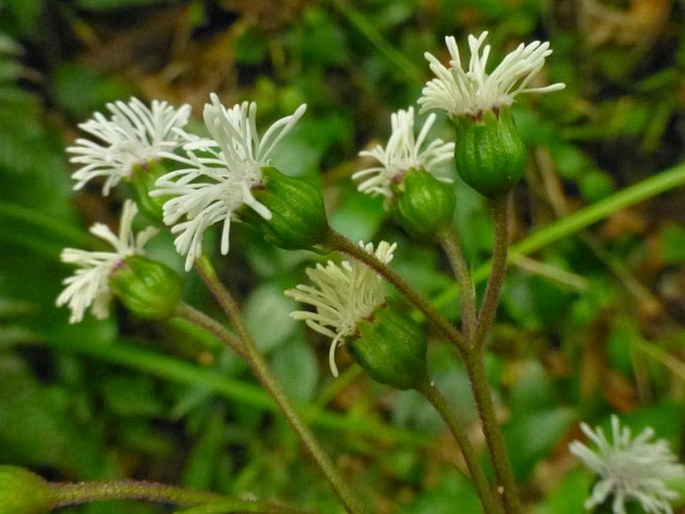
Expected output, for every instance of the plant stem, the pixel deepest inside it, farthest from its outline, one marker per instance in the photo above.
(473, 358)
(64, 494)
(261, 371)
(428, 389)
(450, 245)
(341, 243)
(499, 210)
(493, 435)
(215, 328)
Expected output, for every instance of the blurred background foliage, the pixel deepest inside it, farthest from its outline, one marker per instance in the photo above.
(591, 324)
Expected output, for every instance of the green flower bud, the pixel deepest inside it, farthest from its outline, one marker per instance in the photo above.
(489, 154)
(424, 205)
(298, 217)
(23, 492)
(391, 348)
(147, 288)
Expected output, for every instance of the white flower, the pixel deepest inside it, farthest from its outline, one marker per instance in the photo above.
(87, 287)
(217, 180)
(134, 135)
(629, 469)
(474, 91)
(343, 295)
(403, 152)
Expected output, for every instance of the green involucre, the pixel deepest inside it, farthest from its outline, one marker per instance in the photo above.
(149, 289)
(391, 348)
(298, 215)
(489, 154)
(424, 206)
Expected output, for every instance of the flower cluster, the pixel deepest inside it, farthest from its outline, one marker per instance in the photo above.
(343, 295)
(88, 286)
(629, 468)
(216, 179)
(473, 91)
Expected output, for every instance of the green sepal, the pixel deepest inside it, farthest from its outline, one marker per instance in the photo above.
(489, 154)
(424, 205)
(298, 216)
(147, 288)
(391, 348)
(23, 492)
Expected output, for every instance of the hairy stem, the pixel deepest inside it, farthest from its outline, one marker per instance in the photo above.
(212, 326)
(428, 389)
(261, 371)
(65, 494)
(499, 210)
(467, 293)
(491, 429)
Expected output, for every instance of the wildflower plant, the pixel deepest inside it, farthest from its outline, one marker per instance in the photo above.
(226, 176)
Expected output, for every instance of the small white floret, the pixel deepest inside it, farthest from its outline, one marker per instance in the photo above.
(474, 90)
(87, 287)
(403, 152)
(343, 294)
(629, 469)
(134, 134)
(218, 174)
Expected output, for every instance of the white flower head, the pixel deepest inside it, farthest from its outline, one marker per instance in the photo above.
(87, 287)
(473, 91)
(219, 174)
(629, 468)
(135, 134)
(403, 152)
(343, 295)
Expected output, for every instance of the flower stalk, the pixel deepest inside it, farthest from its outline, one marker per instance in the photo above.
(431, 393)
(261, 371)
(66, 494)
(467, 293)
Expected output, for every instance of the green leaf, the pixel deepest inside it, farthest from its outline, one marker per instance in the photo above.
(531, 438)
(267, 314)
(295, 366)
(568, 496)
